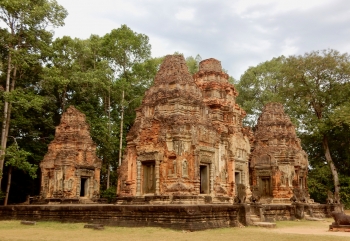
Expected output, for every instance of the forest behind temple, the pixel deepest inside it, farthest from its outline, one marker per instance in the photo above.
(105, 77)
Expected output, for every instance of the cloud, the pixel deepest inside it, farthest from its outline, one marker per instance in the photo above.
(289, 46)
(240, 33)
(185, 14)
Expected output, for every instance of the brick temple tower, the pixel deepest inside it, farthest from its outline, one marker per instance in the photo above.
(71, 169)
(278, 163)
(220, 96)
(186, 138)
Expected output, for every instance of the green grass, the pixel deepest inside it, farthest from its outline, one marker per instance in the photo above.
(52, 231)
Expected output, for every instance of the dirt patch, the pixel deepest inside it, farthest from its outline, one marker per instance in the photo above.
(309, 227)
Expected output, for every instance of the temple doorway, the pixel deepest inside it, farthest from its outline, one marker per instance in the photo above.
(265, 186)
(237, 179)
(149, 177)
(204, 179)
(84, 186)
(301, 183)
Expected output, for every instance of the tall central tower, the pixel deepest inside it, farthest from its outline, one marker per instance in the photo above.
(184, 139)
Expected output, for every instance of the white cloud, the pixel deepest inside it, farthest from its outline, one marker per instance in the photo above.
(289, 46)
(186, 14)
(160, 46)
(239, 33)
(243, 7)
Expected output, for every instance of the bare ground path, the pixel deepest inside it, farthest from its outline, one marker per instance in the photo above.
(308, 227)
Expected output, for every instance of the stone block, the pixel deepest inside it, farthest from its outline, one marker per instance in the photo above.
(28, 222)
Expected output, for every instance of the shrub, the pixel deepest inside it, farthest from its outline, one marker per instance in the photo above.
(110, 194)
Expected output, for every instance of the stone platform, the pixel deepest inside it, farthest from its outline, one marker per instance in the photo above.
(182, 217)
(174, 216)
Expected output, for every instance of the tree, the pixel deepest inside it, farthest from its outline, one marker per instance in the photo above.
(78, 74)
(193, 63)
(320, 81)
(124, 49)
(83, 73)
(31, 123)
(25, 35)
(260, 85)
(313, 87)
(17, 158)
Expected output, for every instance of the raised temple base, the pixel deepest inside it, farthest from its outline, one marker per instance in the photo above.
(181, 217)
(175, 216)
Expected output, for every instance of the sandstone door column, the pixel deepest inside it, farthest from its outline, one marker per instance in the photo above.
(157, 177)
(211, 171)
(138, 179)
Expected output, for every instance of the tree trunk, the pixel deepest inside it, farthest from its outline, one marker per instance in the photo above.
(333, 169)
(13, 82)
(108, 176)
(63, 101)
(5, 114)
(109, 134)
(7, 132)
(8, 185)
(121, 132)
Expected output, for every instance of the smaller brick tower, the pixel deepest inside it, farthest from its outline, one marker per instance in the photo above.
(71, 169)
(278, 163)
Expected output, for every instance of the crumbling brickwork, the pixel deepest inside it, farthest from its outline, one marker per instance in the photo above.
(187, 138)
(226, 117)
(278, 164)
(71, 169)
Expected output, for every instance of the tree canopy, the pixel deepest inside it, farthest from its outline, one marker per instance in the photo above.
(24, 41)
(41, 77)
(315, 90)
(105, 77)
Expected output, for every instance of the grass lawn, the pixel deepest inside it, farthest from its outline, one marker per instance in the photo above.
(286, 230)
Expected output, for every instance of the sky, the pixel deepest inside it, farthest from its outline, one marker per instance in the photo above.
(239, 33)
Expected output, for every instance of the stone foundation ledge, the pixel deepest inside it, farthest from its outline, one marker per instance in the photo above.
(281, 212)
(181, 217)
(175, 216)
(174, 199)
(58, 201)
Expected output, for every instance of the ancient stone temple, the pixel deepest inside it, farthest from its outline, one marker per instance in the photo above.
(278, 164)
(226, 116)
(187, 140)
(71, 169)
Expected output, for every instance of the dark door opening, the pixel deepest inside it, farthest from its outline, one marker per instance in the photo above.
(265, 187)
(237, 179)
(204, 179)
(149, 177)
(83, 188)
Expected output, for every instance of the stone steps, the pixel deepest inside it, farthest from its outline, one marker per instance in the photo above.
(309, 218)
(255, 218)
(86, 201)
